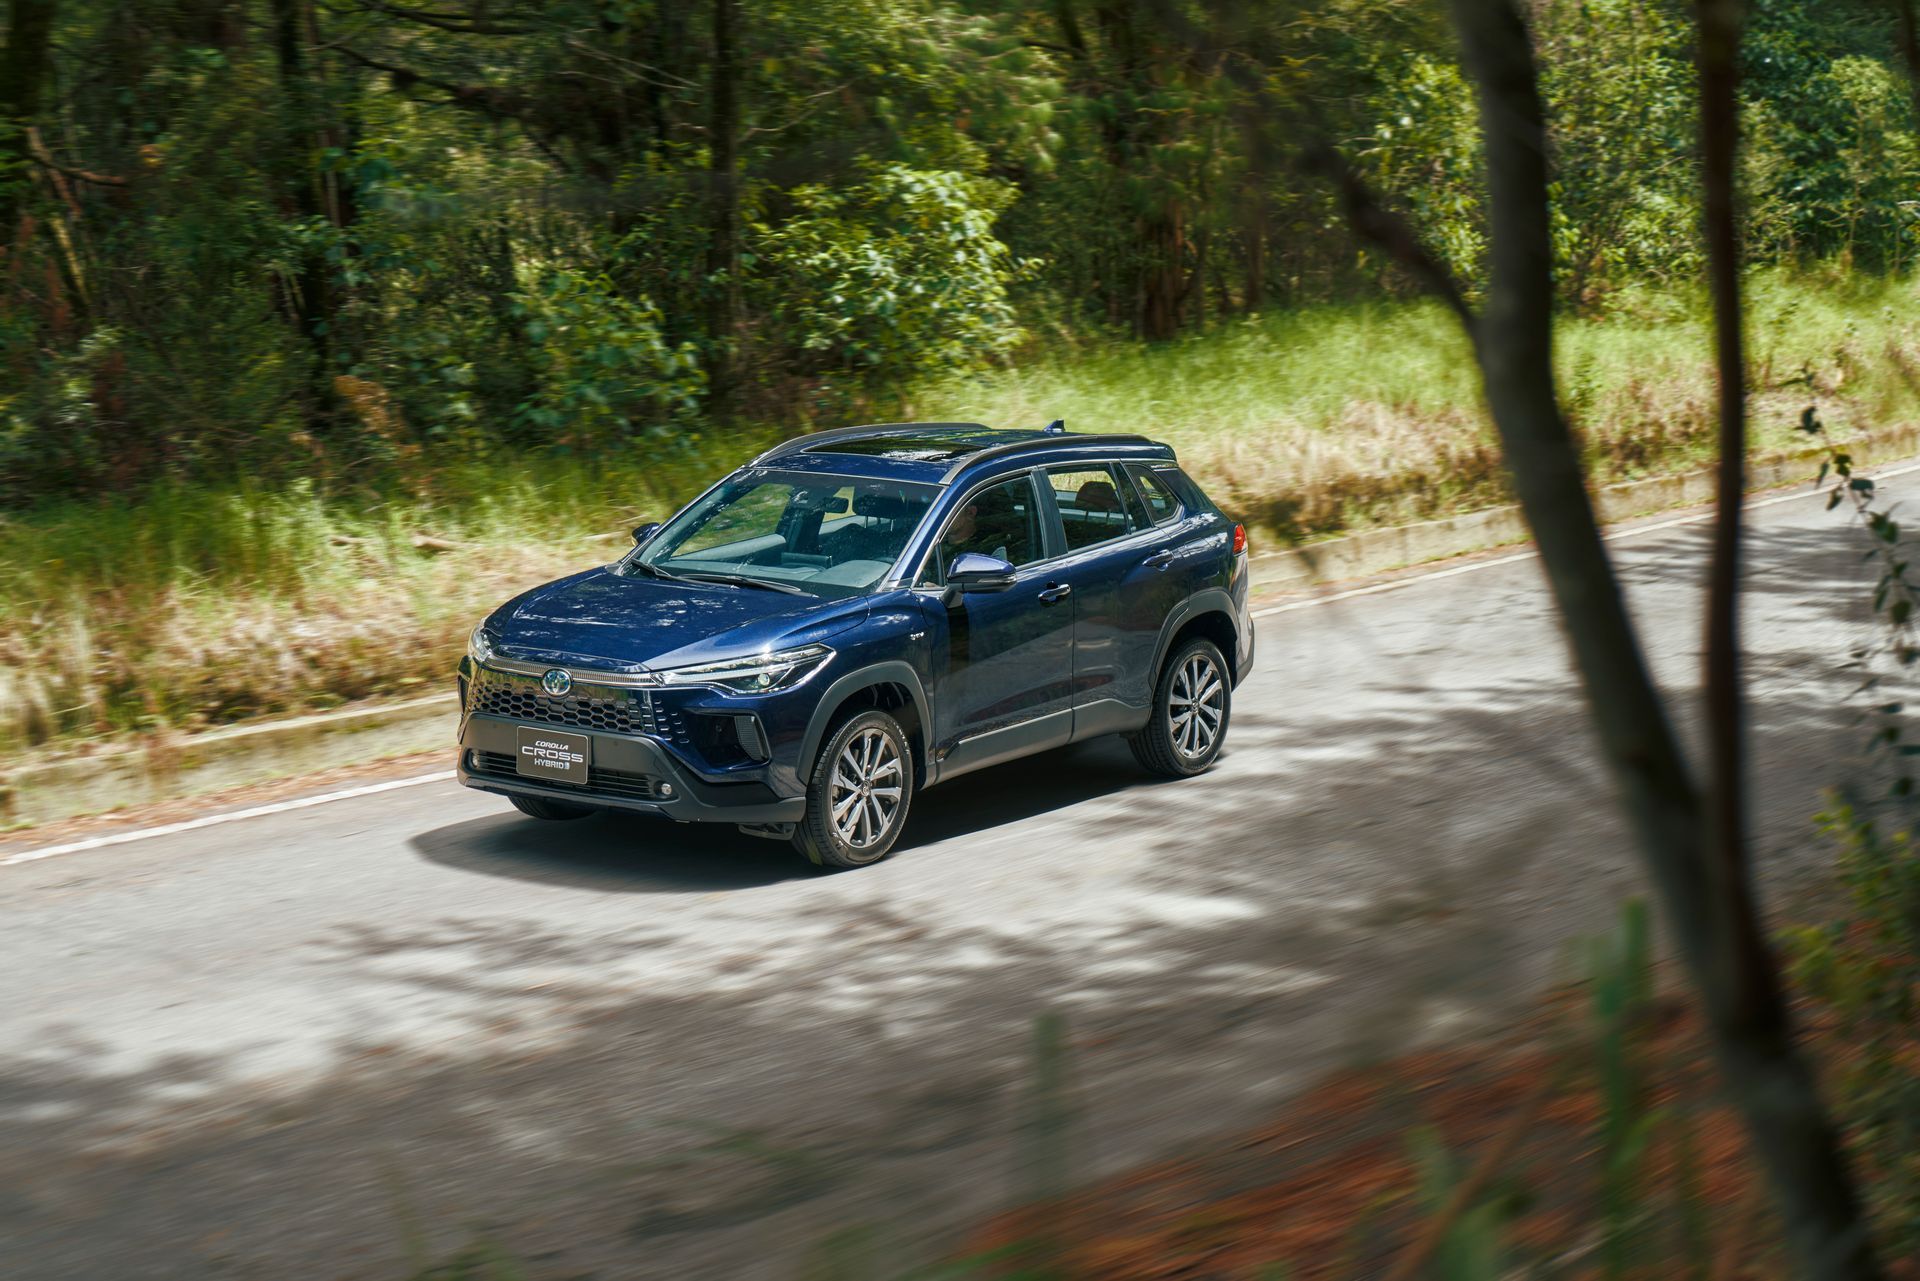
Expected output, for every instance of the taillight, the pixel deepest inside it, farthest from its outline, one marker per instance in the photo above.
(1239, 539)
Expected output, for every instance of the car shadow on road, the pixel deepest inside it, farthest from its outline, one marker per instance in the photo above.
(642, 855)
(1021, 789)
(621, 852)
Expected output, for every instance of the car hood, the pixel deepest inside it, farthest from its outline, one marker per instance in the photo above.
(603, 619)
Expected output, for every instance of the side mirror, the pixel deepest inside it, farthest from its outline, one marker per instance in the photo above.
(978, 572)
(641, 533)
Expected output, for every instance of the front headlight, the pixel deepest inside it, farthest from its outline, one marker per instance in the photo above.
(756, 673)
(480, 644)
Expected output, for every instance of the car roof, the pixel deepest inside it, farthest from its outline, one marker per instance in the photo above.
(940, 452)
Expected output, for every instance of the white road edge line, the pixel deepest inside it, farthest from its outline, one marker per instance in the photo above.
(1618, 535)
(281, 807)
(214, 820)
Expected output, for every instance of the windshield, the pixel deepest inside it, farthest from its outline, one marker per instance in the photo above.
(827, 536)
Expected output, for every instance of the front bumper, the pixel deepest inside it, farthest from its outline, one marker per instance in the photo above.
(627, 774)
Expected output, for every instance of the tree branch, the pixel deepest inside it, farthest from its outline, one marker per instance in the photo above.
(44, 158)
(487, 99)
(1384, 228)
(459, 25)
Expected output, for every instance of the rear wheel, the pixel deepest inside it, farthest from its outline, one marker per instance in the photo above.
(857, 800)
(541, 807)
(1191, 706)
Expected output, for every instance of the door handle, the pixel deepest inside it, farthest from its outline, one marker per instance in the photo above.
(1056, 592)
(1159, 560)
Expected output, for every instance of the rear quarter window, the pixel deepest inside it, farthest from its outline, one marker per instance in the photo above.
(1162, 506)
(1183, 486)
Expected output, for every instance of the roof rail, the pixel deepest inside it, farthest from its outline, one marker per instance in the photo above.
(1050, 441)
(812, 439)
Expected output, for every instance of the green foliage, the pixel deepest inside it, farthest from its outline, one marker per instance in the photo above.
(1864, 969)
(602, 371)
(325, 255)
(1619, 88)
(1474, 1247)
(1620, 981)
(1425, 146)
(894, 279)
(1832, 160)
(1895, 594)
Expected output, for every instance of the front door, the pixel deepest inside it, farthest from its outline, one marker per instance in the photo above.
(1005, 687)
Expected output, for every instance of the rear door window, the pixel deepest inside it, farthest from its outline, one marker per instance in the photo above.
(1091, 508)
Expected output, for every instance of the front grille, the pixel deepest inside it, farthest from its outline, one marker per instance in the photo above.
(586, 706)
(606, 782)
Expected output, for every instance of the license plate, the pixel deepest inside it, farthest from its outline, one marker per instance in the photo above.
(551, 756)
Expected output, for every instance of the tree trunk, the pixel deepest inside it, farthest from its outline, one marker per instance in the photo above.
(1163, 279)
(1691, 852)
(1753, 1027)
(1909, 40)
(723, 211)
(314, 301)
(1253, 242)
(23, 69)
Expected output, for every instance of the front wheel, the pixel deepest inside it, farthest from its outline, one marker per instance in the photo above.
(1191, 705)
(858, 797)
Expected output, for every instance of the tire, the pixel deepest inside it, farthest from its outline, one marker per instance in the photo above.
(1173, 744)
(541, 807)
(871, 753)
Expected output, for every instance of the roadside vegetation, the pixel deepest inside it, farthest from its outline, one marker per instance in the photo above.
(196, 602)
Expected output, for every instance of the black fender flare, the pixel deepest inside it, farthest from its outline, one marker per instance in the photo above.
(892, 672)
(1208, 600)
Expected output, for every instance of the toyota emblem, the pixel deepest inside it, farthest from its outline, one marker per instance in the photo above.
(556, 682)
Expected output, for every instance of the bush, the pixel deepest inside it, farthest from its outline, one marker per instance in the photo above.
(602, 371)
(895, 279)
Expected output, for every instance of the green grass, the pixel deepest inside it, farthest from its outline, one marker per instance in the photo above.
(199, 605)
(1332, 418)
(202, 604)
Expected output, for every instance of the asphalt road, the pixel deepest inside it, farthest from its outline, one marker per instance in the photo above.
(325, 1042)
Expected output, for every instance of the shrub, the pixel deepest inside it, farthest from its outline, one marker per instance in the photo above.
(891, 280)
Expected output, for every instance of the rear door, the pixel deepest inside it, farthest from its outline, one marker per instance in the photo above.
(1125, 580)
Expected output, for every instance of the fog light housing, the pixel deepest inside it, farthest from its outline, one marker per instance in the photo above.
(666, 789)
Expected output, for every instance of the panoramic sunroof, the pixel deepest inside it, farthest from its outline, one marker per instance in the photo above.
(924, 449)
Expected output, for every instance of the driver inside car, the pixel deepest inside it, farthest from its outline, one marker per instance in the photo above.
(985, 531)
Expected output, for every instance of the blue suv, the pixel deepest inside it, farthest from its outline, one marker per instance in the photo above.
(860, 614)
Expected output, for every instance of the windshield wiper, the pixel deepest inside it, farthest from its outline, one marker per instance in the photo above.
(741, 580)
(654, 571)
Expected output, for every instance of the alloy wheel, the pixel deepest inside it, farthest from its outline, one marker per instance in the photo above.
(1196, 706)
(866, 789)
